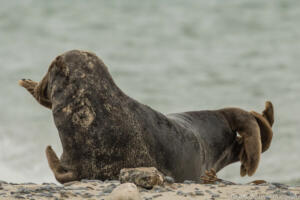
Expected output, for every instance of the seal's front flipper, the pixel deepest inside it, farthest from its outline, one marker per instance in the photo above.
(210, 177)
(29, 85)
(61, 174)
(37, 90)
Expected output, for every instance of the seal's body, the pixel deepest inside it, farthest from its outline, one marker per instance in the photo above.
(102, 130)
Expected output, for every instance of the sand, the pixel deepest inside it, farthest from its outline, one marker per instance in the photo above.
(95, 189)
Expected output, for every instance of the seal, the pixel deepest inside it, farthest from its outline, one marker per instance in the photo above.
(102, 130)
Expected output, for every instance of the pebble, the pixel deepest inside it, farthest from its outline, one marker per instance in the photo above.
(71, 183)
(188, 182)
(19, 197)
(212, 187)
(87, 195)
(157, 195)
(280, 185)
(29, 183)
(267, 198)
(23, 191)
(75, 188)
(157, 189)
(3, 182)
(215, 195)
(125, 191)
(169, 179)
(271, 187)
(208, 191)
(288, 193)
(199, 193)
(108, 190)
(94, 181)
(48, 195)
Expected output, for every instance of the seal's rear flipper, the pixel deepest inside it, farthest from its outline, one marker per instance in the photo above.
(245, 124)
(265, 122)
(62, 175)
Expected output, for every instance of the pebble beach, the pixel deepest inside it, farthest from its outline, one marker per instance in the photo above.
(110, 190)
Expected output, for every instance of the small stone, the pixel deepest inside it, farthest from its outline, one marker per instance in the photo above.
(48, 195)
(19, 197)
(215, 195)
(71, 183)
(188, 182)
(3, 182)
(23, 191)
(267, 198)
(208, 191)
(87, 195)
(199, 193)
(180, 193)
(280, 185)
(92, 181)
(126, 191)
(157, 195)
(29, 183)
(114, 181)
(169, 179)
(288, 193)
(157, 189)
(145, 177)
(108, 190)
(212, 187)
(272, 187)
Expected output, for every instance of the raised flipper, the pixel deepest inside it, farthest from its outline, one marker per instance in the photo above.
(37, 90)
(265, 122)
(29, 85)
(61, 174)
(245, 124)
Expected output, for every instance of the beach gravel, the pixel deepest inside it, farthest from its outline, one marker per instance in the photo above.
(114, 190)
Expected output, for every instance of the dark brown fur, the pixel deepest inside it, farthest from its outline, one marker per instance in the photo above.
(103, 130)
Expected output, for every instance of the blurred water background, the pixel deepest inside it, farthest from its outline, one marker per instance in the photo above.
(172, 55)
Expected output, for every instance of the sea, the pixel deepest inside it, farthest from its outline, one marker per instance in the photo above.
(172, 55)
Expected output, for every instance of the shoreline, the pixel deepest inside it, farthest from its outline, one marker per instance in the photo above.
(103, 190)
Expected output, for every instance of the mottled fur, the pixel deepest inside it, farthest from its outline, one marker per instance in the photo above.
(102, 130)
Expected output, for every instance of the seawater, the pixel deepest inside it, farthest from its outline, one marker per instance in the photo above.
(172, 55)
